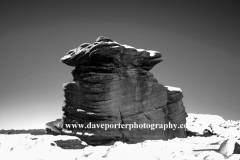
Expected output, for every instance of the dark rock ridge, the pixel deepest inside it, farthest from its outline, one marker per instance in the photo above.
(112, 85)
(24, 131)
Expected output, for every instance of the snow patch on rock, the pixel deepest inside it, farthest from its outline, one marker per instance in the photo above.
(199, 122)
(171, 88)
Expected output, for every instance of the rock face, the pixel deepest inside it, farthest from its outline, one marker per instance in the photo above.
(227, 147)
(176, 111)
(113, 96)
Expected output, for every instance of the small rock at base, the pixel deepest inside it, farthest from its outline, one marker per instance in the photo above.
(227, 147)
(236, 149)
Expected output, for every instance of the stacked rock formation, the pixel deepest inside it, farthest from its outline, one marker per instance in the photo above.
(112, 85)
(176, 112)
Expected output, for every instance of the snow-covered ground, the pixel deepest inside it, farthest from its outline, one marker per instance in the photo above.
(47, 147)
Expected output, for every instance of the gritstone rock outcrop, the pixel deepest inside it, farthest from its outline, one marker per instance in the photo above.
(112, 85)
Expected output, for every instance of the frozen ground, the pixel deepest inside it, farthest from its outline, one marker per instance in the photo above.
(49, 147)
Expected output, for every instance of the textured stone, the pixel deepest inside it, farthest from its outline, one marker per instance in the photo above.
(51, 129)
(176, 112)
(112, 85)
(70, 143)
(237, 148)
(174, 94)
(227, 147)
(103, 51)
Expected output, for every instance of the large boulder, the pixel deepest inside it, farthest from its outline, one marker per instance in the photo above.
(228, 147)
(113, 96)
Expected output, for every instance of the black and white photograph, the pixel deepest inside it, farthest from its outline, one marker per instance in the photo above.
(120, 80)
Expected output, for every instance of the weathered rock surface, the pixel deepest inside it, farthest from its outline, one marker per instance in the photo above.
(227, 147)
(70, 143)
(112, 85)
(52, 129)
(237, 147)
(176, 111)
